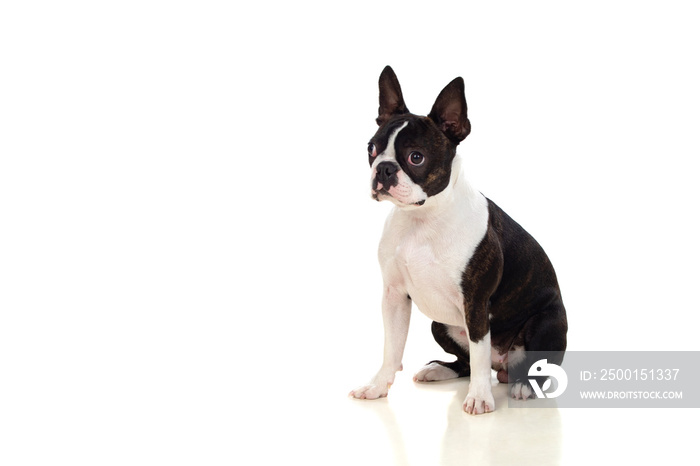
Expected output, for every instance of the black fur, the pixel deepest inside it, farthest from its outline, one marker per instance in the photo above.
(511, 279)
(435, 137)
(420, 135)
(509, 285)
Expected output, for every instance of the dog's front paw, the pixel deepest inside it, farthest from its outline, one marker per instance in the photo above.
(370, 391)
(479, 399)
(521, 391)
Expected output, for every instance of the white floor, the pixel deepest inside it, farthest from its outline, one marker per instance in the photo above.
(423, 424)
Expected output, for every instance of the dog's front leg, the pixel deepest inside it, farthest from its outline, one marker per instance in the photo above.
(479, 398)
(396, 313)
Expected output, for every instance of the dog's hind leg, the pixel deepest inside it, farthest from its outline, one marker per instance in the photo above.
(544, 336)
(448, 338)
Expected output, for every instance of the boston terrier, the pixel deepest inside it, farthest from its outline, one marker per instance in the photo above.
(485, 282)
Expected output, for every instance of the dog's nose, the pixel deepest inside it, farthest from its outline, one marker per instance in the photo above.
(385, 171)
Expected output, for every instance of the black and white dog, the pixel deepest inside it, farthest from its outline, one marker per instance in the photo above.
(485, 282)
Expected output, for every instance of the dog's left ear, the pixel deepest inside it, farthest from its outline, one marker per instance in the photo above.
(450, 112)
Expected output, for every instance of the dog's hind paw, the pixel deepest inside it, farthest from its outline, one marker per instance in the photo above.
(434, 372)
(521, 391)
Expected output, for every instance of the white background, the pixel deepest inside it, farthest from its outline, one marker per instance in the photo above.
(187, 243)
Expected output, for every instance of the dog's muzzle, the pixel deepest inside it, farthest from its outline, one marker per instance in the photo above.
(386, 176)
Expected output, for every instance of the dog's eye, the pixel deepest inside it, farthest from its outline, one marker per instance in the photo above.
(371, 150)
(416, 159)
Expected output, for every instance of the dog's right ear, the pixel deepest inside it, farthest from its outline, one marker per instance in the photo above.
(390, 98)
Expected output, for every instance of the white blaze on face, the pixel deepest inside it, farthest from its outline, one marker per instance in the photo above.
(389, 154)
(406, 192)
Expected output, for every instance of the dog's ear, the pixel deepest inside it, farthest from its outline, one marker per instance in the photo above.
(390, 98)
(450, 112)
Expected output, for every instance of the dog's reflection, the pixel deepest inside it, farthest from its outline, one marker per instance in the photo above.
(384, 411)
(510, 435)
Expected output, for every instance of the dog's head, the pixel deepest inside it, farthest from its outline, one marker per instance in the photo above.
(410, 155)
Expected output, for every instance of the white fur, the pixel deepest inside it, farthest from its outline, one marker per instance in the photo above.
(434, 372)
(512, 357)
(396, 313)
(423, 253)
(424, 250)
(516, 355)
(479, 398)
(521, 391)
(389, 154)
(460, 335)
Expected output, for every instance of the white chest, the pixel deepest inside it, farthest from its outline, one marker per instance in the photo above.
(432, 279)
(426, 255)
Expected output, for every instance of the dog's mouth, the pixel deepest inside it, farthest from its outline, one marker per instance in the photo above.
(379, 190)
(384, 194)
(397, 193)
